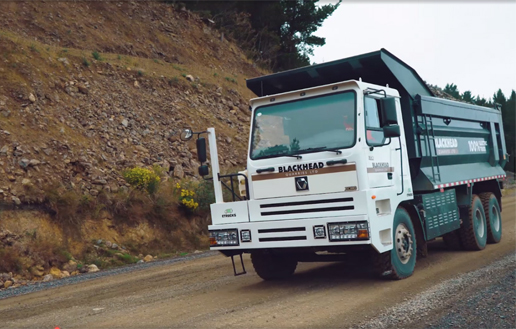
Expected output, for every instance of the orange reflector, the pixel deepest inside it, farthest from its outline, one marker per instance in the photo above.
(213, 241)
(373, 197)
(363, 234)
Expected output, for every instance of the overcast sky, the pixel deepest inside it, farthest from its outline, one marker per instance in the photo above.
(471, 44)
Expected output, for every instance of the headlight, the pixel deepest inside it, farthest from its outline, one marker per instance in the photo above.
(348, 231)
(221, 238)
(245, 236)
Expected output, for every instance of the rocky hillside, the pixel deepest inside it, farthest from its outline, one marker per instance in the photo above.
(91, 88)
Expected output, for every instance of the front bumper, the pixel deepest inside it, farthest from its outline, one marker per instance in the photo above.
(290, 233)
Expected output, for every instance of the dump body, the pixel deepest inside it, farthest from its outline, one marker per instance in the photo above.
(459, 143)
(448, 142)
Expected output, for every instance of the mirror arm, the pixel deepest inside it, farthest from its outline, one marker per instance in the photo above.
(390, 140)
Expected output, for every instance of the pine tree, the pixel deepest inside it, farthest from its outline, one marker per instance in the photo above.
(452, 90)
(467, 97)
(509, 123)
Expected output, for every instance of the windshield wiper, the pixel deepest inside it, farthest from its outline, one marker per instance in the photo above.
(268, 156)
(319, 149)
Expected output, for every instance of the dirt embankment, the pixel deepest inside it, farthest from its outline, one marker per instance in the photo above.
(89, 89)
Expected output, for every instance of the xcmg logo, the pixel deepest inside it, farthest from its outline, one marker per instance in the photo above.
(228, 213)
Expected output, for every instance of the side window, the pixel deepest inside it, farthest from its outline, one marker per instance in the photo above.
(374, 133)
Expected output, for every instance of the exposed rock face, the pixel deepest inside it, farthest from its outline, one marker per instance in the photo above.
(79, 121)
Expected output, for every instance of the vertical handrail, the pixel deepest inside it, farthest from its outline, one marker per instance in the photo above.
(437, 168)
(428, 147)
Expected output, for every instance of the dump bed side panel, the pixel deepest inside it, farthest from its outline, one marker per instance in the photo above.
(458, 142)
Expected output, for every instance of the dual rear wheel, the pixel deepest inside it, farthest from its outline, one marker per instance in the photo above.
(483, 225)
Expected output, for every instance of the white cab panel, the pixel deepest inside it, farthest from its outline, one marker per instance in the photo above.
(231, 212)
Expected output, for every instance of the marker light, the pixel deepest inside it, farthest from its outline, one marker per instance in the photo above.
(319, 232)
(245, 236)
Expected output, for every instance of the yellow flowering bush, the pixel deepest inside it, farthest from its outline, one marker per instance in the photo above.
(186, 198)
(142, 179)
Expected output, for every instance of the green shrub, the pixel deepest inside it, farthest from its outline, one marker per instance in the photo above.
(96, 55)
(173, 81)
(142, 179)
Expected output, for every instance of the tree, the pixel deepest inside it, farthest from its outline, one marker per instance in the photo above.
(278, 34)
(481, 101)
(509, 120)
(301, 21)
(467, 97)
(452, 90)
(499, 98)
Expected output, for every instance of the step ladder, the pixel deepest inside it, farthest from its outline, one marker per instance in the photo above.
(432, 148)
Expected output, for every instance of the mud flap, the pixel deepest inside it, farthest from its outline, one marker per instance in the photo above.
(241, 262)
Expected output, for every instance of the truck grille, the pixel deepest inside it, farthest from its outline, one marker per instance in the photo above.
(325, 205)
(282, 230)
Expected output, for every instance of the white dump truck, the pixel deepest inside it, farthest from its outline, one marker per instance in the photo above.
(357, 156)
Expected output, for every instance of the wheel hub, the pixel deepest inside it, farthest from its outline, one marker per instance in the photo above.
(404, 243)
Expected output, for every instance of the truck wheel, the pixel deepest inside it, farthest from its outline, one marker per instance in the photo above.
(493, 217)
(399, 263)
(473, 231)
(452, 240)
(273, 267)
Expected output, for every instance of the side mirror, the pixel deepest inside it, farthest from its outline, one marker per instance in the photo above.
(204, 170)
(388, 110)
(391, 131)
(186, 134)
(201, 149)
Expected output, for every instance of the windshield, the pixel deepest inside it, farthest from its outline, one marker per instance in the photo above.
(302, 126)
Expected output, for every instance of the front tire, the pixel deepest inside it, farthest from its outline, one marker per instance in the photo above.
(399, 263)
(273, 267)
(493, 217)
(473, 231)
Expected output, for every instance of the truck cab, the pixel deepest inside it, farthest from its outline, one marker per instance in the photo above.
(320, 170)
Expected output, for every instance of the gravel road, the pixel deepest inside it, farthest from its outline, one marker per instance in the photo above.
(450, 289)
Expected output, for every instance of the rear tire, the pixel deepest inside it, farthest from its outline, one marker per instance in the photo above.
(493, 217)
(273, 267)
(473, 231)
(399, 263)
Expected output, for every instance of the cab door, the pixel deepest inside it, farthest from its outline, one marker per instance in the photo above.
(380, 169)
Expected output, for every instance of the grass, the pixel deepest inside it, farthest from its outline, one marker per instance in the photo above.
(96, 55)
(231, 80)
(85, 62)
(173, 81)
(33, 48)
